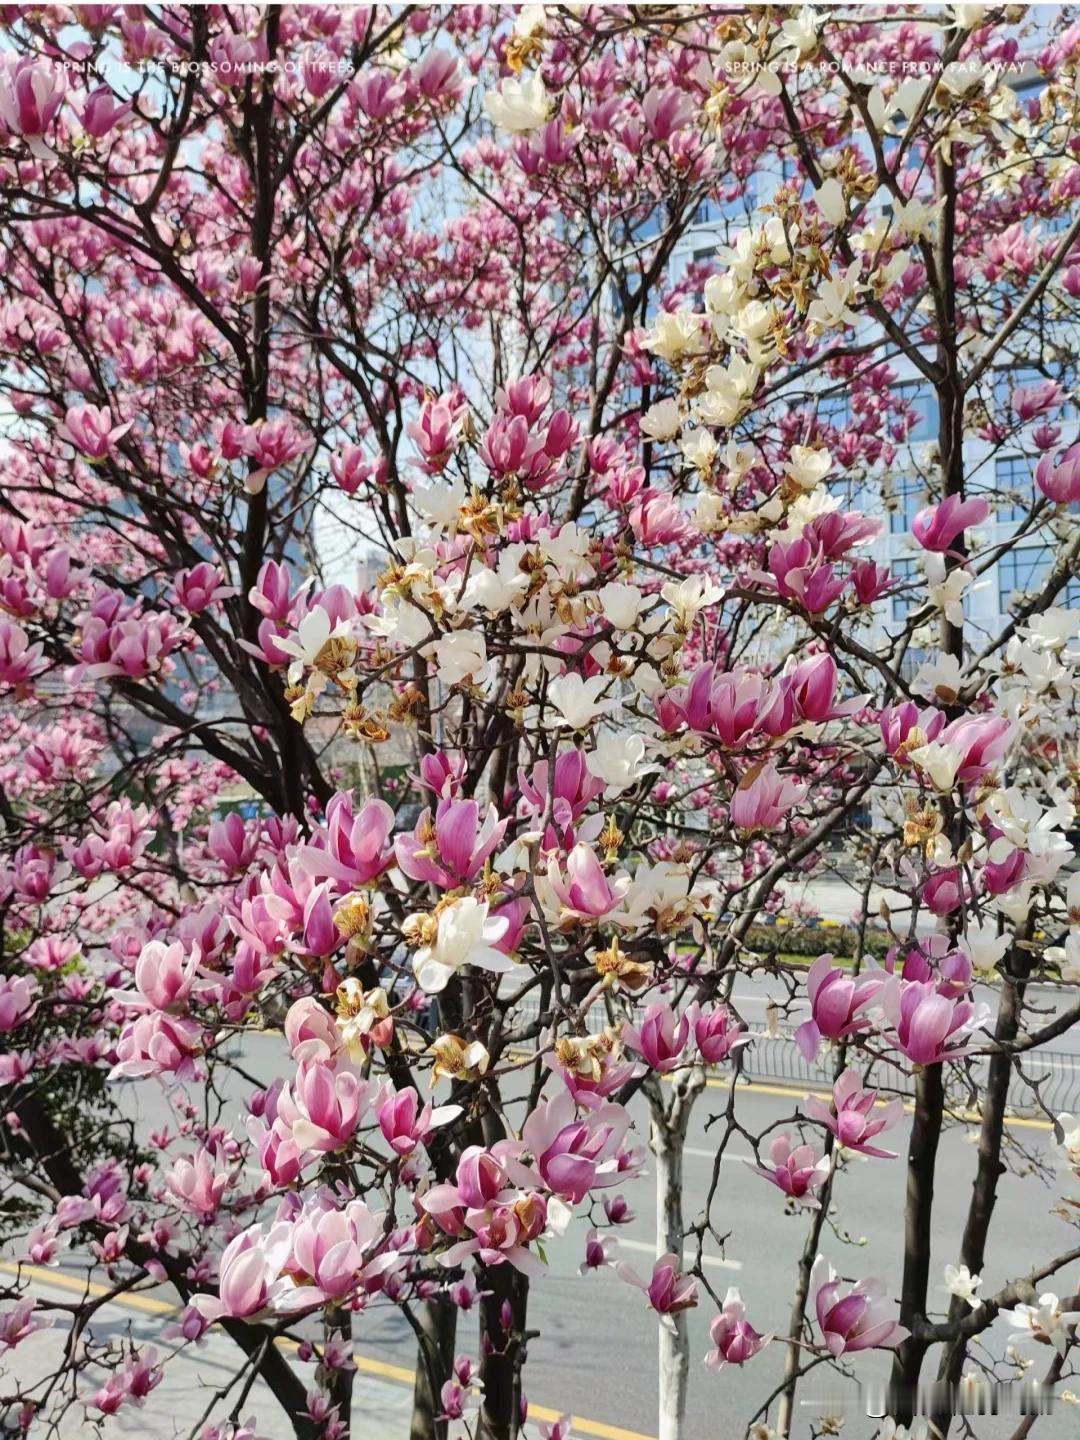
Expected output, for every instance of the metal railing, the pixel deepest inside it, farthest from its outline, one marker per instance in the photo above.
(778, 1058)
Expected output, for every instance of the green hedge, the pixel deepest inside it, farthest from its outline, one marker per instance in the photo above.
(840, 940)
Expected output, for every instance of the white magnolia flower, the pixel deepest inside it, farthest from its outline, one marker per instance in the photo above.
(401, 621)
(1067, 957)
(699, 449)
(914, 218)
(661, 421)
(1053, 628)
(808, 506)
(800, 33)
(962, 77)
(618, 761)
(530, 21)
(620, 604)
(969, 17)
(1069, 1145)
(831, 309)
(440, 501)
(960, 1282)
(1045, 1321)
(945, 588)
(939, 679)
(690, 596)
(940, 762)
(892, 1430)
(710, 513)
(754, 320)
(808, 466)
(578, 700)
(493, 590)
(460, 656)
(676, 333)
(465, 936)
(568, 552)
(729, 390)
(518, 105)
(984, 946)
(309, 639)
(831, 202)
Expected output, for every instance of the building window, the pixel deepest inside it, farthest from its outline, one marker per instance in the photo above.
(1012, 482)
(904, 571)
(908, 498)
(921, 410)
(1025, 570)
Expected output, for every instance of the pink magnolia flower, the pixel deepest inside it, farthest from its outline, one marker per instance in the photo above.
(870, 581)
(798, 1171)
(250, 1280)
(667, 1289)
(132, 647)
(575, 1155)
(734, 1339)
(165, 977)
(799, 571)
(19, 660)
(322, 1107)
(310, 1032)
(351, 849)
(927, 1026)
(330, 1246)
(945, 890)
(1058, 477)
(599, 1251)
(200, 587)
(655, 518)
(855, 1116)
(18, 1001)
(273, 444)
(718, 1033)
(1030, 401)
(101, 111)
(271, 594)
(19, 1322)
(196, 1185)
(860, 1320)
(1005, 869)
(980, 742)
(404, 1124)
(438, 430)
(232, 842)
(584, 892)
(31, 92)
(938, 526)
(905, 727)
(157, 1044)
(91, 431)
(453, 849)
(838, 1005)
(661, 1038)
(764, 798)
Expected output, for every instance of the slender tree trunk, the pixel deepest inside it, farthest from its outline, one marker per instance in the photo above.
(502, 1338)
(667, 1140)
(437, 1320)
(922, 1160)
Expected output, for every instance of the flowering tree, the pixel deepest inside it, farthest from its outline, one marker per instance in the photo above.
(516, 810)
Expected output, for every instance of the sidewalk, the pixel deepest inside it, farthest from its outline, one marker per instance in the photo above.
(187, 1397)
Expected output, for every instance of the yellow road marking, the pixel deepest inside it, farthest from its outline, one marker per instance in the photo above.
(798, 1093)
(148, 1303)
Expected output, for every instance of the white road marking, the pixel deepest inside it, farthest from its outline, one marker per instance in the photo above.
(648, 1249)
(711, 1154)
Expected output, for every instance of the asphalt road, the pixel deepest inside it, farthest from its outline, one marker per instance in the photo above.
(596, 1353)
